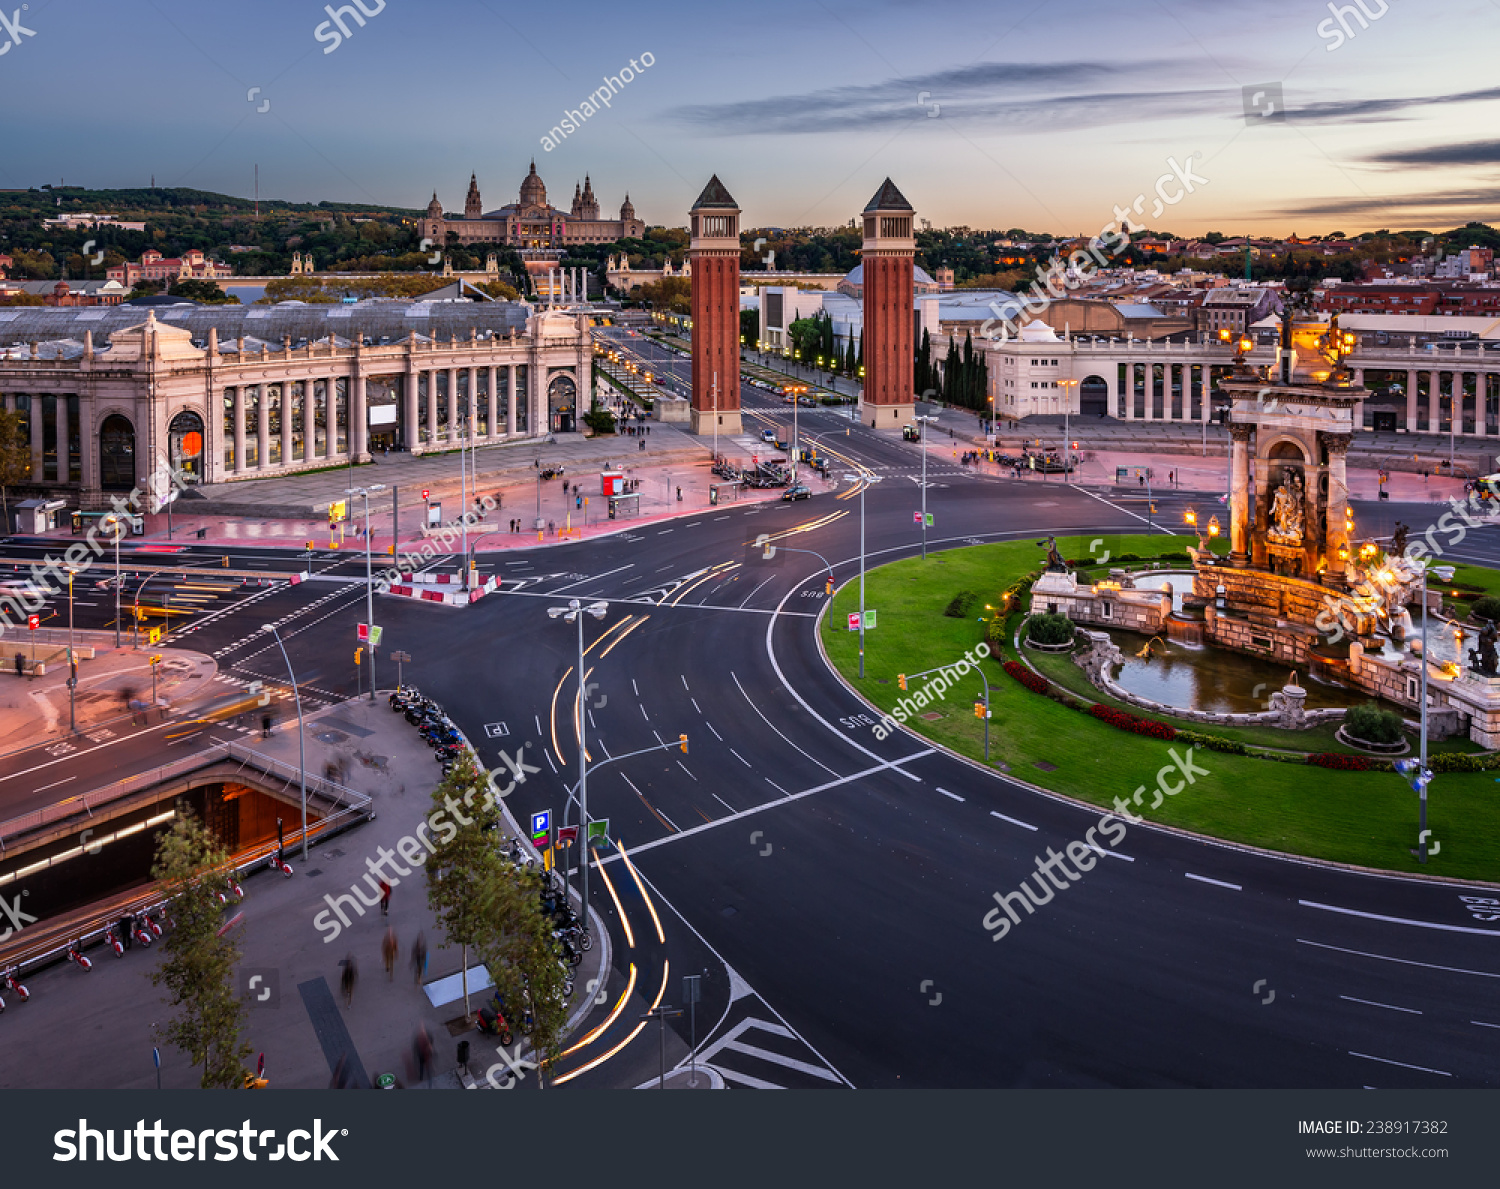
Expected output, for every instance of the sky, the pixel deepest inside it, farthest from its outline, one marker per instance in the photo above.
(1266, 117)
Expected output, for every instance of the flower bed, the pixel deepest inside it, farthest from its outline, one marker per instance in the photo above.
(1032, 681)
(1339, 763)
(1120, 720)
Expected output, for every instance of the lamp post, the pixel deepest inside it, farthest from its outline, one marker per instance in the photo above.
(1067, 387)
(367, 492)
(301, 729)
(867, 480)
(1423, 774)
(574, 613)
(116, 524)
(924, 419)
(72, 658)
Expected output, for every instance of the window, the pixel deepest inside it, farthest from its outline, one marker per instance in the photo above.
(1413, 690)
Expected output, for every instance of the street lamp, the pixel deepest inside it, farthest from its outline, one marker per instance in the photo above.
(868, 479)
(367, 492)
(574, 613)
(1067, 386)
(116, 525)
(72, 657)
(923, 419)
(301, 729)
(1423, 774)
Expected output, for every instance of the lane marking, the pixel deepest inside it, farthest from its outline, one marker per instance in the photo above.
(1402, 1064)
(684, 767)
(1011, 820)
(946, 793)
(1482, 1024)
(1109, 854)
(1218, 883)
(684, 682)
(696, 707)
(1411, 1011)
(737, 756)
(774, 727)
(1375, 916)
(635, 687)
(732, 809)
(1404, 961)
(54, 784)
(777, 787)
(661, 817)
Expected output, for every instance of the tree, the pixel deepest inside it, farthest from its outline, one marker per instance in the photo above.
(198, 969)
(922, 371)
(458, 872)
(15, 457)
(207, 292)
(499, 290)
(750, 326)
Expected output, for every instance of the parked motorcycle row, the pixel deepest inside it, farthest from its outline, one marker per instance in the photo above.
(435, 727)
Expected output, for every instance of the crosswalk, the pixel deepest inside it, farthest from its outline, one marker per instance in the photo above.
(760, 1054)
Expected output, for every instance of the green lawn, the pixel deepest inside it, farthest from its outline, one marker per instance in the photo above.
(1353, 817)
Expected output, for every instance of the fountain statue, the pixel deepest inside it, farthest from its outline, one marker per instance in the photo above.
(1100, 660)
(1484, 660)
(1286, 512)
(1398, 539)
(1290, 702)
(1055, 563)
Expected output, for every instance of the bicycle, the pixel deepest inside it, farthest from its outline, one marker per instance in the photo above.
(75, 954)
(11, 983)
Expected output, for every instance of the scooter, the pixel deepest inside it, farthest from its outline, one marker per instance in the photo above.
(142, 934)
(492, 1023)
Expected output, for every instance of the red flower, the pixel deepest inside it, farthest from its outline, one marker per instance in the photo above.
(1340, 763)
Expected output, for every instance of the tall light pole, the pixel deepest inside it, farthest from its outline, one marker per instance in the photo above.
(574, 613)
(924, 419)
(1423, 775)
(116, 525)
(1067, 387)
(867, 480)
(367, 492)
(301, 730)
(72, 658)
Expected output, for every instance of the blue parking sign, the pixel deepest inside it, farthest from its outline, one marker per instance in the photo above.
(541, 827)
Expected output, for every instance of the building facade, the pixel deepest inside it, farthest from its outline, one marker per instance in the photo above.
(153, 266)
(211, 392)
(714, 256)
(531, 222)
(888, 289)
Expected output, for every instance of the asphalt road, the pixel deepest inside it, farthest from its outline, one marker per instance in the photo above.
(833, 885)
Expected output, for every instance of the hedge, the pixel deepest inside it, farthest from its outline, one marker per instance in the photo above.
(1129, 722)
(1213, 742)
(1340, 763)
(1032, 681)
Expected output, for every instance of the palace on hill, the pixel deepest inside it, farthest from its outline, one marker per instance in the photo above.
(531, 222)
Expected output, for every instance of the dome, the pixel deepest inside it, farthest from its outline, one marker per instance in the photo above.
(1037, 331)
(856, 276)
(533, 191)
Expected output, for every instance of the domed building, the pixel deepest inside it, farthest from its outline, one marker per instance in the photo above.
(531, 222)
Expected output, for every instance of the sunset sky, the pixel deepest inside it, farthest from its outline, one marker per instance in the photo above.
(996, 114)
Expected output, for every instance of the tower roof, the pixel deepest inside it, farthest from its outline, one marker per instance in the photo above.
(715, 195)
(888, 198)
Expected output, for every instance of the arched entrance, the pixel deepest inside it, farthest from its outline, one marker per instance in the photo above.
(116, 454)
(562, 404)
(1093, 397)
(185, 446)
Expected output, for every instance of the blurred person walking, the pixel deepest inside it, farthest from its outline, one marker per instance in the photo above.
(388, 951)
(348, 979)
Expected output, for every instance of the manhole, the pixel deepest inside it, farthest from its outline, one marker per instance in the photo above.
(1044, 766)
(314, 871)
(728, 910)
(332, 854)
(932, 716)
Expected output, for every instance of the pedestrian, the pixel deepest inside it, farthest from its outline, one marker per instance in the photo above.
(552, 527)
(385, 898)
(265, 726)
(127, 930)
(419, 957)
(389, 951)
(20, 664)
(679, 495)
(565, 487)
(1140, 480)
(340, 1079)
(421, 1052)
(578, 503)
(348, 979)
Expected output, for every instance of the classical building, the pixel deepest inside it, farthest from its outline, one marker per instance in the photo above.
(714, 259)
(887, 283)
(232, 392)
(531, 222)
(153, 266)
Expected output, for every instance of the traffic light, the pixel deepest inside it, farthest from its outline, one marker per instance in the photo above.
(226, 561)
(357, 652)
(901, 681)
(828, 587)
(682, 739)
(978, 709)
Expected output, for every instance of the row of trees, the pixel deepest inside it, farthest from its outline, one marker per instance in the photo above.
(963, 378)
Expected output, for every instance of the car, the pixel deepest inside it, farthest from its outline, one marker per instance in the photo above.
(806, 402)
(768, 435)
(797, 491)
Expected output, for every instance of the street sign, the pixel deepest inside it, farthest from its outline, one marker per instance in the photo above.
(33, 622)
(599, 829)
(401, 656)
(362, 632)
(156, 1056)
(854, 621)
(567, 835)
(916, 517)
(692, 992)
(336, 511)
(541, 827)
(869, 619)
(375, 631)
(153, 635)
(930, 520)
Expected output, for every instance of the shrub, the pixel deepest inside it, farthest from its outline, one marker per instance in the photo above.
(1049, 629)
(1457, 761)
(1340, 763)
(994, 633)
(600, 420)
(1032, 681)
(1486, 608)
(1179, 555)
(1372, 724)
(1129, 722)
(961, 605)
(1128, 557)
(1213, 742)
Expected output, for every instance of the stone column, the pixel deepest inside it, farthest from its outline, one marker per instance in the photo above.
(239, 428)
(287, 404)
(309, 420)
(1411, 402)
(262, 428)
(359, 417)
(35, 416)
(510, 400)
(452, 403)
(1205, 392)
(472, 420)
(1239, 494)
(1456, 403)
(330, 417)
(1129, 392)
(432, 406)
(412, 425)
(1337, 446)
(1434, 401)
(492, 402)
(1481, 389)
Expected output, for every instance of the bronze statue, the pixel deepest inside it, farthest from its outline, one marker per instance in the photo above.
(1055, 561)
(1398, 539)
(1286, 512)
(1484, 659)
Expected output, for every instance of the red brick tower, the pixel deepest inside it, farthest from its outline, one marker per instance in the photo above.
(889, 330)
(714, 253)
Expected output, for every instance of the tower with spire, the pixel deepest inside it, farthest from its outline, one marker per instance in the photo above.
(714, 258)
(473, 208)
(887, 256)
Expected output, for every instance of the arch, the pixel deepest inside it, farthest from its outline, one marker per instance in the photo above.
(1093, 396)
(562, 402)
(116, 453)
(186, 445)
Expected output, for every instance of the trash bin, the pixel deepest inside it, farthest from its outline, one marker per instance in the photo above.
(463, 1054)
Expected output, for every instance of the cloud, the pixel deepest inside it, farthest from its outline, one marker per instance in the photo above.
(1366, 111)
(1474, 152)
(1477, 201)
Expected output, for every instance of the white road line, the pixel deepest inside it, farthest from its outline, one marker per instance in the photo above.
(684, 767)
(664, 532)
(590, 578)
(538, 718)
(1411, 1011)
(635, 687)
(740, 1046)
(1404, 961)
(1218, 883)
(1402, 1064)
(664, 817)
(710, 726)
(1375, 916)
(719, 518)
(1482, 1024)
(1011, 820)
(946, 793)
(548, 754)
(751, 595)
(737, 756)
(696, 707)
(684, 682)
(53, 785)
(773, 726)
(644, 715)
(732, 809)
(1108, 854)
(777, 787)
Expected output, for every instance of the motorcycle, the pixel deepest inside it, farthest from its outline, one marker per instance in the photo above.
(492, 1023)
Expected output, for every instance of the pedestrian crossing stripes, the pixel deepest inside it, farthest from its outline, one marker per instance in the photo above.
(763, 1055)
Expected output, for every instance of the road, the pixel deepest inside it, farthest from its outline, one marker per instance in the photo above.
(832, 884)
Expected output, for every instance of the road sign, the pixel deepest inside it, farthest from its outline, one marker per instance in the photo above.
(425, 493)
(916, 517)
(930, 520)
(401, 656)
(869, 619)
(567, 835)
(692, 992)
(375, 631)
(854, 621)
(362, 632)
(336, 511)
(541, 827)
(33, 622)
(599, 829)
(153, 635)
(492, 730)
(156, 1056)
